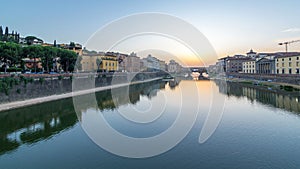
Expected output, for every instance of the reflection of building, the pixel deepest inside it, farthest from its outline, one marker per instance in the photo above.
(288, 63)
(279, 100)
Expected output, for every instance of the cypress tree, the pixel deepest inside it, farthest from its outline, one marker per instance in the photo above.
(6, 34)
(1, 33)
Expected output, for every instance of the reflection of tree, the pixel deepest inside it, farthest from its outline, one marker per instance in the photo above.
(39, 122)
(20, 122)
(278, 99)
(7, 145)
(125, 95)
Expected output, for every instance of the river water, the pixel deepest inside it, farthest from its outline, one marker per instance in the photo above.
(223, 125)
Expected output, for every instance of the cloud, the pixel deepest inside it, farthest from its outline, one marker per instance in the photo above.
(292, 30)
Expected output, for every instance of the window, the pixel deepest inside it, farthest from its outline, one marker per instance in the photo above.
(277, 64)
(297, 64)
(290, 64)
(282, 71)
(297, 71)
(277, 71)
(297, 58)
(282, 59)
(290, 59)
(290, 71)
(282, 64)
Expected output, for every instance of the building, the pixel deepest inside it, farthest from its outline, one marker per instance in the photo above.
(99, 62)
(252, 54)
(249, 66)
(75, 47)
(32, 63)
(288, 63)
(151, 63)
(132, 63)
(162, 65)
(265, 65)
(235, 64)
(174, 67)
(221, 65)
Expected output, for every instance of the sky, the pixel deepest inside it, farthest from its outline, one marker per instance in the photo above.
(232, 26)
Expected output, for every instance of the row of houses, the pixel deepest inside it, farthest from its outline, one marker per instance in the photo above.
(259, 63)
(111, 62)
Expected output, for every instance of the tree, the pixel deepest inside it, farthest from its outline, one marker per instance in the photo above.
(10, 54)
(72, 44)
(1, 33)
(6, 34)
(33, 52)
(30, 39)
(67, 59)
(98, 62)
(49, 53)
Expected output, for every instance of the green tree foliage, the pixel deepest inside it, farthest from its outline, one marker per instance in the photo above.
(11, 54)
(67, 59)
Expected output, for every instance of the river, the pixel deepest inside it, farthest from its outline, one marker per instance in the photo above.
(250, 128)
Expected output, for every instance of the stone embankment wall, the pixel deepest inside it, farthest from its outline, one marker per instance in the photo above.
(48, 87)
(291, 79)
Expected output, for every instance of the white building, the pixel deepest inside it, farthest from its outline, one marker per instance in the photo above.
(151, 63)
(249, 66)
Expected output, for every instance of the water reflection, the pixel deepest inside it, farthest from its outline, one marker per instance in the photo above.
(32, 124)
(35, 123)
(280, 99)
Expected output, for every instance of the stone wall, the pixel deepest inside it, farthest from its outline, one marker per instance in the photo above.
(291, 79)
(50, 87)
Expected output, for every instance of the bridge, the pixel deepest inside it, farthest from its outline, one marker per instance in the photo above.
(198, 69)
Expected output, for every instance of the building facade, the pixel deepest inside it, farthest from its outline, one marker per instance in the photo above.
(288, 64)
(265, 65)
(235, 64)
(132, 63)
(249, 66)
(95, 62)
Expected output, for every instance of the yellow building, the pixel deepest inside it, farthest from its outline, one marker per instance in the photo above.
(91, 62)
(288, 64)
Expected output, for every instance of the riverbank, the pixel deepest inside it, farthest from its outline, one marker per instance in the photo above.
(277, 87)
(18, 104)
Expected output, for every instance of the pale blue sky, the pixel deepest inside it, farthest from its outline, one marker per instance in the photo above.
(231, 26)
